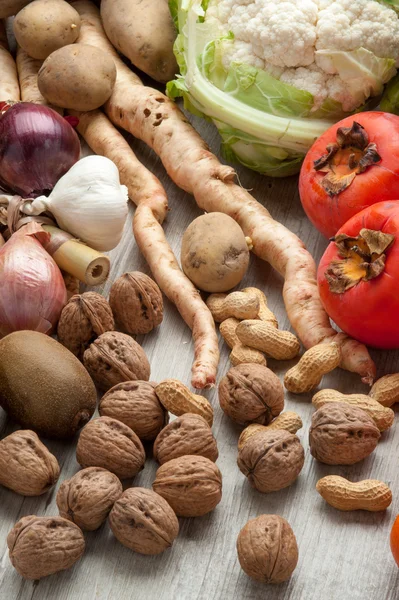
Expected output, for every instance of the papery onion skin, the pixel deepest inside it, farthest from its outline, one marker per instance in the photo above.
(37, 147)
(32, 289)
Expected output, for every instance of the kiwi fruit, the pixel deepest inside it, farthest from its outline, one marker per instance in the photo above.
(43, 386)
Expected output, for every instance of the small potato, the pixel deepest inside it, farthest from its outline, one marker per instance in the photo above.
(11, 7)
(46, 25)
(143, 30)
(78, 76)
(214, 252)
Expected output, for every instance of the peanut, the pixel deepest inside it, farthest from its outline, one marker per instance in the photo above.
(178, 400)
(386, 390)
(281, 345)
(313, 364)
(236, 304)
(369, 494)
(288, 420)
(264, 314)
(239, 353)
(383, 417)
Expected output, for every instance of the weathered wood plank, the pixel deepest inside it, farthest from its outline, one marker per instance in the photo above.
(342, 556)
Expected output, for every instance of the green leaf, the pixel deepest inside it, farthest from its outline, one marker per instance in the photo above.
(390, 98)
(174, 11)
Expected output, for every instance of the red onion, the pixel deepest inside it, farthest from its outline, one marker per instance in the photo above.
(32, 289)
(37, 147)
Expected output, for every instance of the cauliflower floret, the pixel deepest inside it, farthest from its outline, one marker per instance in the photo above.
(281, 32)
(351, 24)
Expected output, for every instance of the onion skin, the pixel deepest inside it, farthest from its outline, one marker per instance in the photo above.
(32, 289)
(43, 150)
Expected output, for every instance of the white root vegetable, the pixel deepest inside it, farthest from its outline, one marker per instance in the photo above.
(9, 86)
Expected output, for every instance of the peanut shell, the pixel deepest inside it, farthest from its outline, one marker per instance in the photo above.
(108, 443)
(267, 549)
(26, 465)
(192, 485)
(341, 434)
(143, 521)
(177, 399)
(115, 357)
(87, 498)
(271, 460)
(188, 434)
(287, 420)
(369, 494)
(41, 546)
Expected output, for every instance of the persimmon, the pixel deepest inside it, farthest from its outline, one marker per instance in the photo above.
(394, 540)
(352, 165)
(358, 276)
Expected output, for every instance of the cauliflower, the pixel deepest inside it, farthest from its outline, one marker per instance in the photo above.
(273, 75)
(291, 39)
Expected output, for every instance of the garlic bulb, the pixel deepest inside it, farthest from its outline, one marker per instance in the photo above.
(89, 202)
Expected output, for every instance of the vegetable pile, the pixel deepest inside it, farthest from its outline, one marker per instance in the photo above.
(273, 76)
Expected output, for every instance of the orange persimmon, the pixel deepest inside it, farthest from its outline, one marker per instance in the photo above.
(395, 540)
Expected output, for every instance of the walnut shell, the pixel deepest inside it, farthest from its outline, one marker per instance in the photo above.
(188, 434)
(251, 393)
(88, 496)
(342, 434)
(136, 404)
(136, 302)
(192, 485)
(271, 460)
(267, 549)
(82, 320)
(41, 546)
(108, 443)
(26, 465)
(115, 357)
(143, 521)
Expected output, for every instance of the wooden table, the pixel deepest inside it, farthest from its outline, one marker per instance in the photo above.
(342, 556)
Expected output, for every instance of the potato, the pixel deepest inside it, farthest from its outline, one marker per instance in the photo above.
(214, 252)
(46, 25)
(77, 76)
(11, 7)
(143, 30)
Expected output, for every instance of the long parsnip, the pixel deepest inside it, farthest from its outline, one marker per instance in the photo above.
(9, 86)
(152, 117)
(146, 191)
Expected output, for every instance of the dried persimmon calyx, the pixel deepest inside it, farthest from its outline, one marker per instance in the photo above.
(351, 155)
(362, 258)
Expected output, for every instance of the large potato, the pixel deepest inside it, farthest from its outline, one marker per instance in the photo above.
(46, 25)
(77, 76)
(214, 252)
(11, 7)
(143, 31)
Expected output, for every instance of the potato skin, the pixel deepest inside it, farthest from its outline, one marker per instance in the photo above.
(143, 31)
(65, 79)
(8, 8)
(214, 252)
(46, 25)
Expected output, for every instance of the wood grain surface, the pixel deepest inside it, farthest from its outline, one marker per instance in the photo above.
(342, 556)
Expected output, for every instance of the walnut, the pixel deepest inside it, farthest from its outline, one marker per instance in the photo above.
(192, 485)
(85, 317)
(88, 496)
(143, 521)
(188, 434)
(136, 404)
(267, 549)
(342, 434)
(108, 443)
(271, 460)
(41, 546)
(251, 393)
(115, 357)
(136, 302)
(26, 465)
